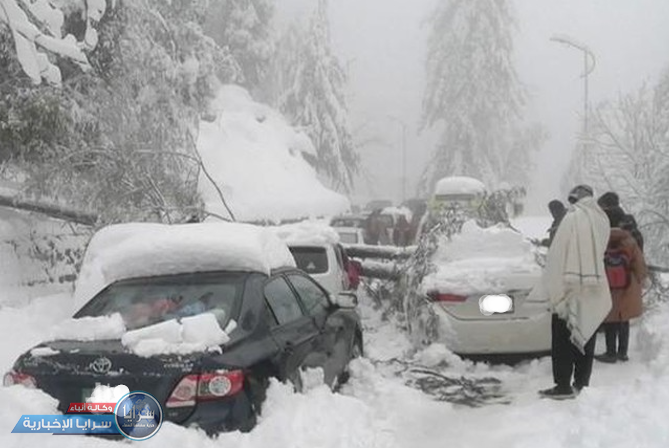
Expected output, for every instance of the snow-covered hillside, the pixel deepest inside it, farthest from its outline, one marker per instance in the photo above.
(257, 160)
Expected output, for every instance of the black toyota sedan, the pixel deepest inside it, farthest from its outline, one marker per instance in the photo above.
(286, 322)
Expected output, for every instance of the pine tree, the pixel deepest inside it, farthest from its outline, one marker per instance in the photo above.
(310, 90)
(473, 95)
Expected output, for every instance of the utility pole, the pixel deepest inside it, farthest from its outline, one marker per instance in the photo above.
(588, 67)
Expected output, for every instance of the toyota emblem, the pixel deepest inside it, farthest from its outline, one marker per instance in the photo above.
(101, 365)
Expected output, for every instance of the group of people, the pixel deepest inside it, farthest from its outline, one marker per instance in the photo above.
(379, 231)
(594, 277)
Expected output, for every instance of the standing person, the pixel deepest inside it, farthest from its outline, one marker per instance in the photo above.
(629, 223)
(610, 200)
(558, 210)
(401, 231)
(627, 272)
(373, 228)
(576, 284)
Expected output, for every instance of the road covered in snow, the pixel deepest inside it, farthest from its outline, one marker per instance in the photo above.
(400, 397)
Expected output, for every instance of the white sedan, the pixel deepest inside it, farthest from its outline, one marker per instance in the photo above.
(479, 291)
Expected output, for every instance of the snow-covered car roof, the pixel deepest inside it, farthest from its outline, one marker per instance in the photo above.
(459, 185)
(396, 212)
(307, 233)
(135, 250)
(483, 260)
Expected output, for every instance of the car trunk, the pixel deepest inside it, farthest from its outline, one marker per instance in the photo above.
(75, 368)
(470, 309)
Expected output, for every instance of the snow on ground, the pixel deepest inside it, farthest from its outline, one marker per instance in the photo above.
(624, 407)
(282, 185)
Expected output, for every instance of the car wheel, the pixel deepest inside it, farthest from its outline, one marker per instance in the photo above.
(356, 352)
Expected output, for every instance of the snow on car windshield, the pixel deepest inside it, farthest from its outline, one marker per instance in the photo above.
(145, 302)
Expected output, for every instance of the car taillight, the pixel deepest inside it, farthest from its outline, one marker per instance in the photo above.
(205, 387)
(13, 378)
(449, 298)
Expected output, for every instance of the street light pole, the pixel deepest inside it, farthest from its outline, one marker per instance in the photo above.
(588, 67)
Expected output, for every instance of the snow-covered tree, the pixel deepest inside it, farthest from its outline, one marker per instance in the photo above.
(36, 27)
(310, 88)
(118, 139)
(628, 152)
(244, 28)
(473, 95)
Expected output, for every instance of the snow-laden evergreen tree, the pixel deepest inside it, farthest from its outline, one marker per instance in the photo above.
(473, 95)
(244, 27)
(310, 90)
(119, 138)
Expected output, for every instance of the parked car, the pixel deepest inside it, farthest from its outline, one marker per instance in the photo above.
(488, 267)
(285, 322)
(351, 235)
(327, 263)
(357, 221)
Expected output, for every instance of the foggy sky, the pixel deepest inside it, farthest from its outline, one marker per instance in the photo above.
(383, 42)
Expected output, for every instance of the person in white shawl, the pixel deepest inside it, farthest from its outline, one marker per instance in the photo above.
(576, 284)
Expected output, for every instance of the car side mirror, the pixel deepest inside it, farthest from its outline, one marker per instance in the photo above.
(345, 300)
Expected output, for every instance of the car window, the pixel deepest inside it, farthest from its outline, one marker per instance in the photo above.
(313, 297)
(339, 251)
(312, 260)
(147, 301)
(282, 301)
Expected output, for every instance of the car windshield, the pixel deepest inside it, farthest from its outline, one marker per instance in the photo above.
(348, 237)
(143, 302)
(312, 260)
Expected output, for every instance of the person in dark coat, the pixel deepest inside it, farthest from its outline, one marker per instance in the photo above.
(558, 210)
(626, 303)
(629, 223)
(611, 201)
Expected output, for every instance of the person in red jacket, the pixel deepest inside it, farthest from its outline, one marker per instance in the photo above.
(626, 296)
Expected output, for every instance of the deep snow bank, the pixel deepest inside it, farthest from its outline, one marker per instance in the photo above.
(256, 158)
